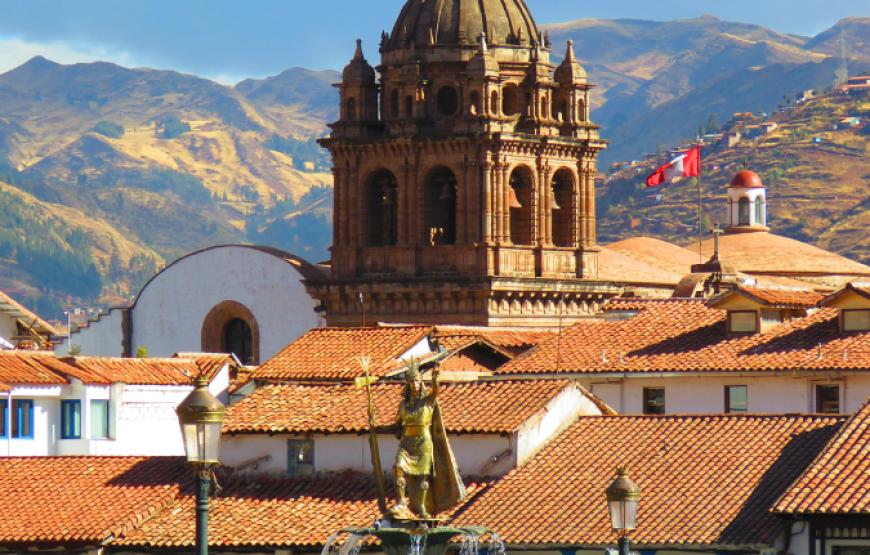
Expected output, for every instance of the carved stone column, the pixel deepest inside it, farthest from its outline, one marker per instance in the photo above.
(488, 200)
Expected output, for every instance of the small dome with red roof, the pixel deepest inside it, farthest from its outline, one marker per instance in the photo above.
(746, 180)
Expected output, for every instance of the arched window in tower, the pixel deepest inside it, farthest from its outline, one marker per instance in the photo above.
(381, 210)
(520, 196)
(562, 206)
(440, 207)
(394, 104)
(510, 104)
(743, 211)
(239, 340)
(351, 108)
(581, 110)
(493, 103)
(759, 211)
(447, 100)
(545, 108)
(409, 106)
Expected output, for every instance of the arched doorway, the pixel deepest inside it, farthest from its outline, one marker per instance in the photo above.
(381, 209)
(230, 327)
(520, 194)
(238, 339)
(562, 208)
(440, 207)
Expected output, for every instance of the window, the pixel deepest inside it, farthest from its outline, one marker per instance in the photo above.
(239, 339)
(828, 399)
(409, 106)
(856, 320)
(71, 419)
(759, 211)
(510, 101)
(99, 420)
(447, 101)
(22, 419)
(742, 321)
(736, 399)
(3, 408)
(300, 457)
(743, 211)
(653, 400)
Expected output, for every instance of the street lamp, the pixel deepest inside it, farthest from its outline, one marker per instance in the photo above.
(201, 416)
(622, 497)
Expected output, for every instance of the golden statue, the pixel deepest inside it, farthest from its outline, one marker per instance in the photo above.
(425, 473)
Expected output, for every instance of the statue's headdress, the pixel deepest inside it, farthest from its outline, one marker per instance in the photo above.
(413, 373)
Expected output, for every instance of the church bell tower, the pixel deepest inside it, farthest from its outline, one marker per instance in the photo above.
(464, 176)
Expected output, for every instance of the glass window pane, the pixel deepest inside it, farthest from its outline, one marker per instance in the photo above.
(742, 321)
(22, 416)
(856, 320)
(300, 457)
(3, 413)
(99, 419)
(737, 398)
(653, 400)
(70, 419)
(828, 399)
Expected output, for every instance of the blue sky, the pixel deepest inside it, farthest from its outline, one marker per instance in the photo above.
(229, 40)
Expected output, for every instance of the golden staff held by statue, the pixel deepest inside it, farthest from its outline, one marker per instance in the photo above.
(373, 439)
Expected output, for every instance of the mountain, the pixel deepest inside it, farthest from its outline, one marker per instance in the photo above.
(161, 162)
(817, 181)
(855, 32)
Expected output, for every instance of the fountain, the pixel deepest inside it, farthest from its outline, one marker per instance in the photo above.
(420, 540)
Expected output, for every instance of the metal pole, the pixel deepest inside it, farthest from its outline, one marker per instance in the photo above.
(203, 483)
(623, 545)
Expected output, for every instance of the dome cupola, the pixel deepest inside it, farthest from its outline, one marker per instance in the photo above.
(570, 72)
(462, 22)
(747, 203)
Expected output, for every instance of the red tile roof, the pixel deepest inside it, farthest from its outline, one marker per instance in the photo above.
(687, 335)
(705, 480)
(141, 371)
(838, 480)
(482, 407)
(333, 353)
(775, 298)
(83, 499)
(270, 512)
(513, 340)
(31, 368)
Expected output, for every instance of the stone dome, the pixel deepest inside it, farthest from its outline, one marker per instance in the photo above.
(358, 70)
(746, 180)
(457, 22)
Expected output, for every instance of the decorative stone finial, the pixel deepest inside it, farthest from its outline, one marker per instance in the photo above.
(358, 55)
(483, 43)
(569, 56)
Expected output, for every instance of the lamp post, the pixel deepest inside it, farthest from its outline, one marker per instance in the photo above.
(201, 416)
(622, 497)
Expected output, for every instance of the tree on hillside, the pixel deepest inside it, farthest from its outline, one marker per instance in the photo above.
(712, 125)
(109, 129)
(173, 127)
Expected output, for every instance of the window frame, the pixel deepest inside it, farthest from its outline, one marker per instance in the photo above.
(107, 420)
(743, 209)
(293, 466)
(843, 313)
(5, 416)
(818, 397)
(16, 407)
(646, 401)
(728, 409)
(64, 418)
(732, 312)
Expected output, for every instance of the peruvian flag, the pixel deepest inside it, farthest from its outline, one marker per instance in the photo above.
(686, 165)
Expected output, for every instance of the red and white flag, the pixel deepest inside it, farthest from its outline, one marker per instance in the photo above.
(686, 165)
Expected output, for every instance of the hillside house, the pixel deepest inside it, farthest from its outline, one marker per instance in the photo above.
(98, 406)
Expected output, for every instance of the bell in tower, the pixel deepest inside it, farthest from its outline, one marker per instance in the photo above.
(464, 176)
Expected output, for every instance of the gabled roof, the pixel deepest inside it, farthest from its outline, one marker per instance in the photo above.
(837, 482)
(333, 353)
(63, 500)
(861, 289)
(467, 407)
(773, 298)
(689, 336)
(271, 512)
(705, 480)
(513, 340)
(13, 308)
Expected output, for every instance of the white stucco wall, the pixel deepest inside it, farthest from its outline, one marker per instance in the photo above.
(340, 452)
(560, 412)
(103, 337)
(170, 311)
(8, 329)
(705, 394)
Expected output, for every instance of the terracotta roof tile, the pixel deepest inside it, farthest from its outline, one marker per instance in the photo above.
(838, 480)
(687, 335)
(777, 298)
(513, 340)
(271, 512)
(332, 353)
(487, 407)
(140, 371)
(83, 499)
(705, 480)
(31, 368)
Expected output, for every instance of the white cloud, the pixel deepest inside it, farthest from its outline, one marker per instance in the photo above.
(15, 51)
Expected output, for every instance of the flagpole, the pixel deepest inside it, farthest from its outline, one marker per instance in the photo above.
(700, 225)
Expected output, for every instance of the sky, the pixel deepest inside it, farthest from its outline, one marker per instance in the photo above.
(229, 40)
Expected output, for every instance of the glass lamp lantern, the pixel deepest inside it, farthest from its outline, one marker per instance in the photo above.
(201, 416)
(622, 498)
